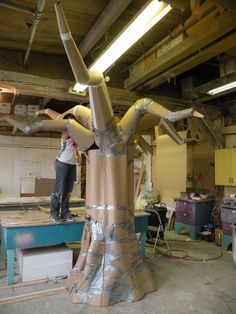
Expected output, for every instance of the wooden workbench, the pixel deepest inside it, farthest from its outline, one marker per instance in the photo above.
(15, 203)
(31, 228)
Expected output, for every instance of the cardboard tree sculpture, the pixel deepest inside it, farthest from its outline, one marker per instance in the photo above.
(109, 268)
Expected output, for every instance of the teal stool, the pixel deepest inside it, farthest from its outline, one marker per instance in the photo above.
(192, 230)
(226, 241)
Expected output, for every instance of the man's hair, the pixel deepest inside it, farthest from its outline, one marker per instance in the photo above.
(69, 116)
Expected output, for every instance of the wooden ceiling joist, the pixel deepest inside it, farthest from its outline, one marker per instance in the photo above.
(110, 14)
(199, 93)
(34, 85)
(196, 59)
(158, 63)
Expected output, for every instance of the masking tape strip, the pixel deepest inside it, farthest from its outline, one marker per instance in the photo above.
(106, 207)
(66, 36)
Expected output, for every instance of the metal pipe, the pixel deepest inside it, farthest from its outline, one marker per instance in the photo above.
(37, 14)
(16, 6)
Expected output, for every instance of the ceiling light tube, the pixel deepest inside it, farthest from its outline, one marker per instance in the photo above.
(141, 24)
(222, 88)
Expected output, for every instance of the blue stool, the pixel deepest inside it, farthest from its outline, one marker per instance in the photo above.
(226, 241)
(192, 230)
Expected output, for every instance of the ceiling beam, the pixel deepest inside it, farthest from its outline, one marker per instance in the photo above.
(34, 85)
(199, 93)
(159, 62)
(199, 57)
(109, 15)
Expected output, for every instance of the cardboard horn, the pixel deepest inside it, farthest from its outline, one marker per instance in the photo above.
(51, 113)
(81, 114)
(81, 73)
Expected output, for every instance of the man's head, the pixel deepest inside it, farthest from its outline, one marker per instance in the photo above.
(65, 135)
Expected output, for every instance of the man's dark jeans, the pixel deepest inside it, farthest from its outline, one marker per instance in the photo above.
(65, 177)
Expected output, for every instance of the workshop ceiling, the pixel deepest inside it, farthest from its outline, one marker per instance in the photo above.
(191, 50)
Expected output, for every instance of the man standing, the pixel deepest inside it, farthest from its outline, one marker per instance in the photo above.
(65, 167)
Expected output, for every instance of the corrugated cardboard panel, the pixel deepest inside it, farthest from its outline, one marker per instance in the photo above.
(44, 186)
(171, 168)
(44, 262)
(20, 109)
(5, 108)
(31, 110)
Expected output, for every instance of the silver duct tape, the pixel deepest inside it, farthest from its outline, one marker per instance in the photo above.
(97, 278)
(98, 233)
(173, 116)
(66, 36)
(115, 289)
(29, 127)
(141, 107)
(111, 140)
(76, 269)
(109, 267)
(114, 258)
(94, 253)
(106, 207)
(68, 125)
(115, 241)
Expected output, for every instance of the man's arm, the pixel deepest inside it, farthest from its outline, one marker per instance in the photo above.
(78, 157)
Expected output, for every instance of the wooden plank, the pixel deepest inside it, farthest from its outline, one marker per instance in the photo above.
(33, 295)
(145, 145)
(25, 284)
(139, 181)
(203, 22)
(34, 200)
(33, 217)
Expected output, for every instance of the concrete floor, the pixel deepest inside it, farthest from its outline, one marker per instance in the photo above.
(183, 286)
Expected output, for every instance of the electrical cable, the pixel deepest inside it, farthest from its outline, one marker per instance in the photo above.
(185, 255)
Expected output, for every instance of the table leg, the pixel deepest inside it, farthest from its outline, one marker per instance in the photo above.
(10, 266)
(143, 243)
(3, 248)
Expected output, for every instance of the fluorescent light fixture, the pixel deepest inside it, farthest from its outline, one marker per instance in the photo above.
(141, 24)
(222, 88)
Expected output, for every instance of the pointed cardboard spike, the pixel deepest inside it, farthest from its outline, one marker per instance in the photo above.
(198, 114)
(214, 139)
(193, 127)
(170, 130)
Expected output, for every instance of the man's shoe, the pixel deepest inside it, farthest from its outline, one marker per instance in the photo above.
(55, 218)
(68, 217)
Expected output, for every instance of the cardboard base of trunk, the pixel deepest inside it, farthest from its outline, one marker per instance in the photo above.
(110, 272)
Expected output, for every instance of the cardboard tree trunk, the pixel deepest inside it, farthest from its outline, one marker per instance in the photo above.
(109, 268)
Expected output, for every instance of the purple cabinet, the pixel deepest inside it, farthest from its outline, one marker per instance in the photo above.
(228, 217)
(193, 212)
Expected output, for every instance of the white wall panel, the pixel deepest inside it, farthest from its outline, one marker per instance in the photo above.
(24, 158)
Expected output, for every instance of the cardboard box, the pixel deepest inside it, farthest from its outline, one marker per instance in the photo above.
(31, 110)
(5, 107)
(44, 262)
(20, 110)
(44, 186)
